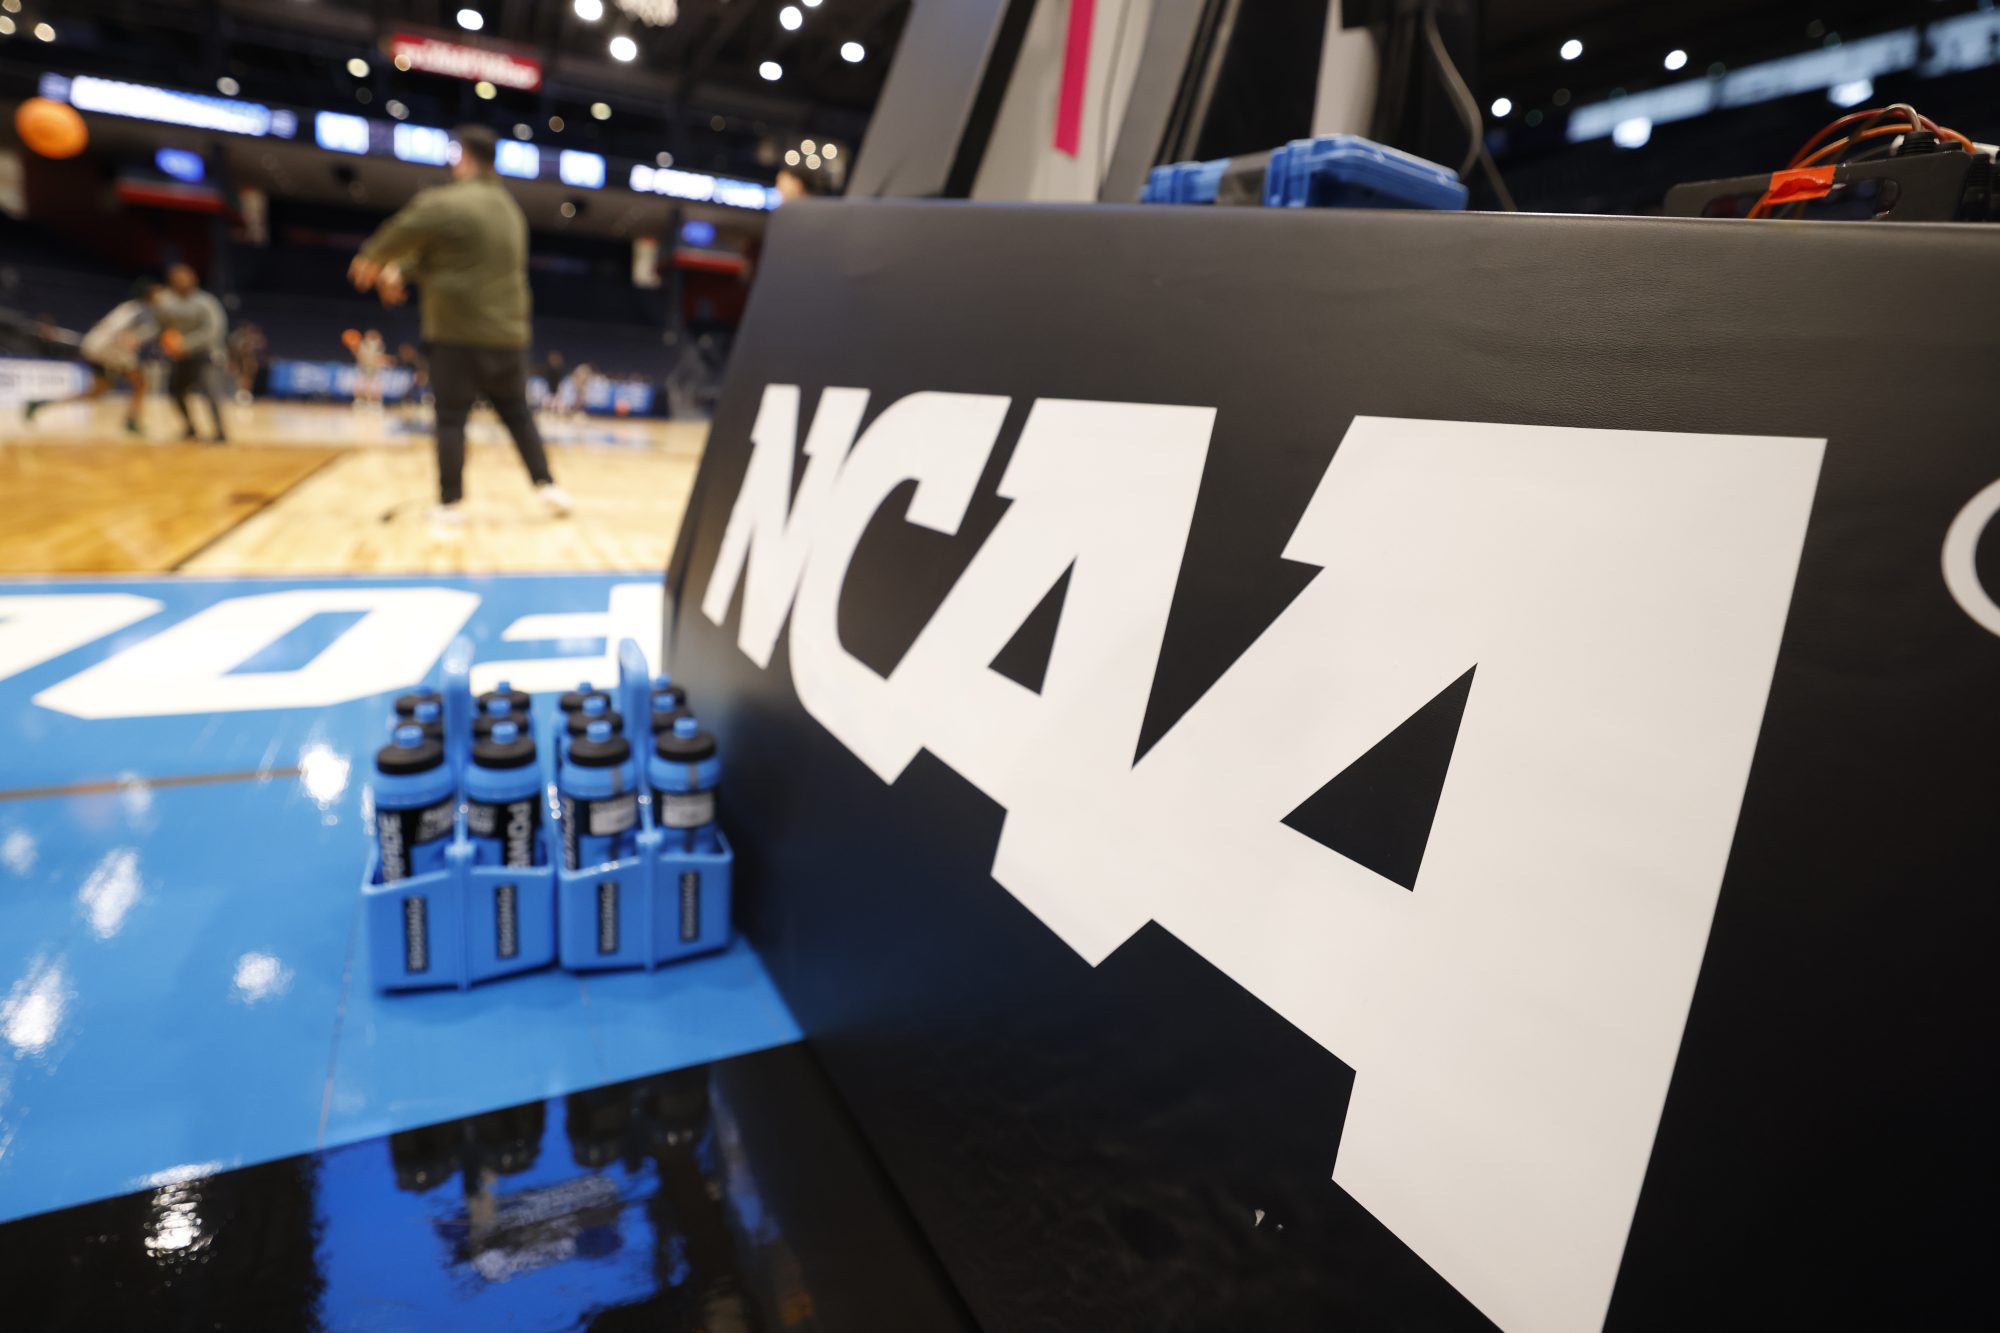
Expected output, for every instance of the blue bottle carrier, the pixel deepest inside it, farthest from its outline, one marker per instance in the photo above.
(1331, 171)
(468, 923)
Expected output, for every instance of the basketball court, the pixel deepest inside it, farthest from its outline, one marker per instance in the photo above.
(180, 916)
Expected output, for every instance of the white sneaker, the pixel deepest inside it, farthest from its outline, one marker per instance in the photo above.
(447, 520)
(554, 499)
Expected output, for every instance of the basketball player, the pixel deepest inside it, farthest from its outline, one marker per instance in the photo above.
(194, 333)
(466, 244)
(111, 350)
(371, 357)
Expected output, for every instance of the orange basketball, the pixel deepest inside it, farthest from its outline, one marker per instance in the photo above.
(351, 339)
(171, 343)
(623, 409)
(52, 129)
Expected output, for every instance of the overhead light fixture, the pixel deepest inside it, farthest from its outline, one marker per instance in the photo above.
(789, 18)
(358, 67)
(1676, 58)
(830, 152)
(227, 86)
(810, 4)
(6, 26)
(1501, 108)
(624, 48)
(600, 111)
(1852, 93)
(555, 124)
(471, 20)
(590, 10)
(523, 132)
(45, 32)
(791, 157)
(11, 6)
(567, 209)
(402, 62)
(808, 147)
(483, 90)
(812, 160)
(1571, 49)
(395, 108)
(771, 70)
(853, 52)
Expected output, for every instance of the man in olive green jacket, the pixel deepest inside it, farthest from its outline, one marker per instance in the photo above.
(466, 245)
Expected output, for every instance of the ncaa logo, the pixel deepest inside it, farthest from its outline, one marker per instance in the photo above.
(1961, 548)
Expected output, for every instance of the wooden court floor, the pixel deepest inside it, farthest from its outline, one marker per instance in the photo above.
(320, 489)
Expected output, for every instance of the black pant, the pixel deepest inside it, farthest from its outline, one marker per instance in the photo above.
(461, 375)
(195, 373)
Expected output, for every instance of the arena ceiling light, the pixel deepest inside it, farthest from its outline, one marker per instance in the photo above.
(396, 109)
(1676, 58)
(590, 10)
(771, 70)
(789, 18)
(45, 32)
(791, 157)
(1502, 108)
(600, 110)
(830, 152)
(521, 131)
(484, 90)
(227, 86)
(358, 67)
(471, 20)
(624, 48)
(1571, 49)
(664, 159)
(853, 52)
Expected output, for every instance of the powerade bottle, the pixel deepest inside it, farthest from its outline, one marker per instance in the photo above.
(667, 696)
(517, 700)
(495, 711)
(600, 802)
(503, 789)
(571, 702)
(684, 773)
(596, 708)
(406, 704)
(429, 715)
(414, 802)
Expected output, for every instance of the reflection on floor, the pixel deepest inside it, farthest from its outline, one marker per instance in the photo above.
(728, 1197)
(312, 489)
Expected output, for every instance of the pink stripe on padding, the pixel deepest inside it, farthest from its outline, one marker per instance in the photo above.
(1076, 72)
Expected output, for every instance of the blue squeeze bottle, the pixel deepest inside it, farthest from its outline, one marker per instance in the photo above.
(572, 700)
(600, 802)
(503, 790)
(684, 772)
(496, 710)
(596, 708)
(414, 804)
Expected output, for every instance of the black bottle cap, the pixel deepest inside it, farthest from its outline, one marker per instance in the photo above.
(517, 700)
(579, 723)
(516, 751)
(410, 752)
(406, 704)
(572, 702)
(603, 749)
(684, 744)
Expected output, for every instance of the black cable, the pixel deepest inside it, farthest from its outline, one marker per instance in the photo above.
(1468, 112)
